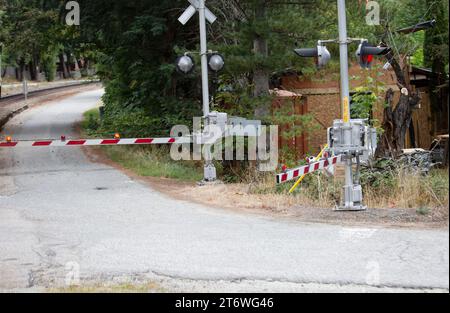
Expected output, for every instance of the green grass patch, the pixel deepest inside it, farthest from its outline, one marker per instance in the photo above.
(91, 122)
(152, 161)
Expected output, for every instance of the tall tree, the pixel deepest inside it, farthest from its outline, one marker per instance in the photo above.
(436, 55)
(258, 37)
(398, 112)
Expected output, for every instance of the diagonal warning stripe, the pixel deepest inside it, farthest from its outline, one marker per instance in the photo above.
(312, 167)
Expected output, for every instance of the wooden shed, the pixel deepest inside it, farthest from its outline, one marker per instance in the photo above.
(319, 95)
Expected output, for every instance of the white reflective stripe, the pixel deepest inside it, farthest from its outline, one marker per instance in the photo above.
(57, 143)
(127, 141)
(322, 163)
(160, 140)
(183, 140)
(91, 142)
(25, 144)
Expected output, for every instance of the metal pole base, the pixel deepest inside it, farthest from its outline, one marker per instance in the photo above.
(210, 177)
(209, 172)
(351, 208)
(352, 199)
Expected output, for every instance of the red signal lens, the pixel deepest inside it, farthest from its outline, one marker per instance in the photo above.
(368, 59)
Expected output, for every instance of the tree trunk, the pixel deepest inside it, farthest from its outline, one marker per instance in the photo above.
(62, 63)
(68, 67)
(260, 74)
(37, 65)
(32, 67)
(77, 67)
(20, 69)
(436, 58)
(397, 117)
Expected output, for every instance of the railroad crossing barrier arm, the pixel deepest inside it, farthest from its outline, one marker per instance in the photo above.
(9, 143)
(292, 174)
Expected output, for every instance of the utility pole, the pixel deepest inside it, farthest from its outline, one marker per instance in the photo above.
(204, 57)
(25, 89)
(349, 187)
(209, 170)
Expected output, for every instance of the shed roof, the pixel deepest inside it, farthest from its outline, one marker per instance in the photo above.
(283, 93)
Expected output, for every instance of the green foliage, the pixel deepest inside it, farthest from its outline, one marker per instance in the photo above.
(363, 102)
(91, 122)
(438, 182)
(423, 211)
(49, 64)
(381, 174)
(299, 123)
(368, 95)
(34, 32)
(278, 27)
(436, 50)
(136, 42)
(292, 125)
(418, 56)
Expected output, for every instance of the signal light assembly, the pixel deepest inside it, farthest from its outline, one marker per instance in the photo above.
(365, 53)
(321, 54)
(185, 64)
(215, 62)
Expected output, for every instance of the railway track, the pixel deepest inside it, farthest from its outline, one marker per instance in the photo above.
(42, 92)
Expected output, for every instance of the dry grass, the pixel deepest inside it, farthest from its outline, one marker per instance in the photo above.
(127, 287)
(402, 190)
(408, 190)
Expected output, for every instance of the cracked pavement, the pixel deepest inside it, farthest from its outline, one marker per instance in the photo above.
(62, 215)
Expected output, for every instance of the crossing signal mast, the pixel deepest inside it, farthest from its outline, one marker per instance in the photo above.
(214, 62)
(209, 60)
(353, 139)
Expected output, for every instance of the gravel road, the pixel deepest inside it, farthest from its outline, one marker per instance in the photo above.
(63, 217)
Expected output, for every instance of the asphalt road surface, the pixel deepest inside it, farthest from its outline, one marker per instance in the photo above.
(64, 218)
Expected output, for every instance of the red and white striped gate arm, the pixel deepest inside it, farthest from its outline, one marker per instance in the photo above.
(92, 142)
(312, 167)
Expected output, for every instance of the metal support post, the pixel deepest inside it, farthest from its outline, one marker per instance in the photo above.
(352, 193)
(209, 172)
